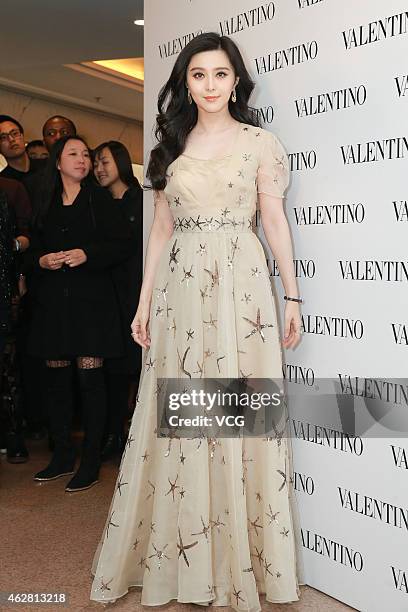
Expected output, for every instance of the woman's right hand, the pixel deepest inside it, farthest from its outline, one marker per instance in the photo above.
(52, 261)
(140, 325)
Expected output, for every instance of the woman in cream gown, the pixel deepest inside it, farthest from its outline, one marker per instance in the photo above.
(208, 520)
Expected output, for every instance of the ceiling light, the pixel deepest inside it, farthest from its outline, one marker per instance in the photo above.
(139, 22)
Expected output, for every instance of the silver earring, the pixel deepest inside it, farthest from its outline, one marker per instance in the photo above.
(234, 95)
(190, 99)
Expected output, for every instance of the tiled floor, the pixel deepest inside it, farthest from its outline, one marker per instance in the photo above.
(48, 538)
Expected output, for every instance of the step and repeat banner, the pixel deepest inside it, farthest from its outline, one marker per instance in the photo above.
(332, 83)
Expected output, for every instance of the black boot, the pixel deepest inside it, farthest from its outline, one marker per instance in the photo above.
(117, 388)
(93, 395)
(60, 422)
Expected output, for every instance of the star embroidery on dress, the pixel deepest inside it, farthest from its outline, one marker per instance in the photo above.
(145, 456)
(105, 585)
(150, 364)
(236, 594)
(142, 563)
(258, 497)
(168, 310)
(164, 292)
(120, 484)
(183, 547)
(267, 566)
(257, 134)
(129, 441)
(110, 524)
(217, 524)
(255, 525)
(160, 554)
(284, 479)
(215, 276)
(140, 524)
(159, 387)
(181, 493)
(244, 377)
(173, 327)
(247, 298)
(280, 161)
(278, 434)
(255, 272)
(177, 201)
(198, 223)
(272, 516)
(173, 256)
(208, 353)
(159, 311)
(173, 487)
(209, 223)
(152, 493)
(257, 325)
(204, 294)
(203, 249)
(211, 590)
(152, 529)
(182, 457)
(230, 185)
(187, 274)
(241, 173)
(224, 463)
(284, 532)
(259, 556)
(190, 334)
(234, 245)
(182, 362)
(211, 323)
(136, 544)
(230, 262)
(225, 212)
(205, 529)
(278, 574)
(247, 156)
(218, 363)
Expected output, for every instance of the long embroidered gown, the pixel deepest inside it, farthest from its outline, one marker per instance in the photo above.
(209, 520)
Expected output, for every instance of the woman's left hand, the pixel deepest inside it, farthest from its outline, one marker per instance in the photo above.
(75, 257)
(293, 325)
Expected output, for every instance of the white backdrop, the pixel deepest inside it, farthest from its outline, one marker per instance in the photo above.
(347, 208)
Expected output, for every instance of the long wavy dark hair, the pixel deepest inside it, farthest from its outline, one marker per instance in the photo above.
(51, 183)
(122, 160)
(176, 117)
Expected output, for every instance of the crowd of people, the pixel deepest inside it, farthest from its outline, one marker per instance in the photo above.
(71, 240)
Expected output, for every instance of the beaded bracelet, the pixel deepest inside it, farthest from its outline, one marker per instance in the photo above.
(292, 299)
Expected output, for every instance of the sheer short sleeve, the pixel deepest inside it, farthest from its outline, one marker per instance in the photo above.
(273, 171)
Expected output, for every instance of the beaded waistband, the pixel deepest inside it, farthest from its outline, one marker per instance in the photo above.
(223, 223)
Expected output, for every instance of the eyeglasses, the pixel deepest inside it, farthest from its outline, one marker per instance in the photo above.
(13, 135)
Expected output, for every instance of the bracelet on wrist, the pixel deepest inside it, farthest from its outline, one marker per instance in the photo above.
(292, 299)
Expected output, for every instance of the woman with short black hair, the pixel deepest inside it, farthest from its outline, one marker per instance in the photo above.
(78, 236)
(113, 170)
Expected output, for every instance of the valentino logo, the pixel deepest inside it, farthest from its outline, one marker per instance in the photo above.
(375, 150)
(327, 436)
(326, 214)
(303, 483)
(400, 579)
(402, 85)
(339, 553)
(331, 101)
(287, 57)
(371, 270)
(401, 210)
(374, 388)
(339, 327)
(248, 19)
(173, 47)
(400, 457)
(376, 31)
(298, 375)
(265, 114)
(304, 268)
(306, 3)
(373, 508)
(400, 333)
(303, 160)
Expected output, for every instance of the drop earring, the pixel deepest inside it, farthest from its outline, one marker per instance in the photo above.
(234, 95)
(189, 97)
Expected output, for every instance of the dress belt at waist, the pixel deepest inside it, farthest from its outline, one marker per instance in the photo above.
(214, 224)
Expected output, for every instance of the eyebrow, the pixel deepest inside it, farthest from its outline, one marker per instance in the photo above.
(219, 68)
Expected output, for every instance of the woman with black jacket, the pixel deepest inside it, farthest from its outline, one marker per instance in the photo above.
(78, 236)
(113, 170)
